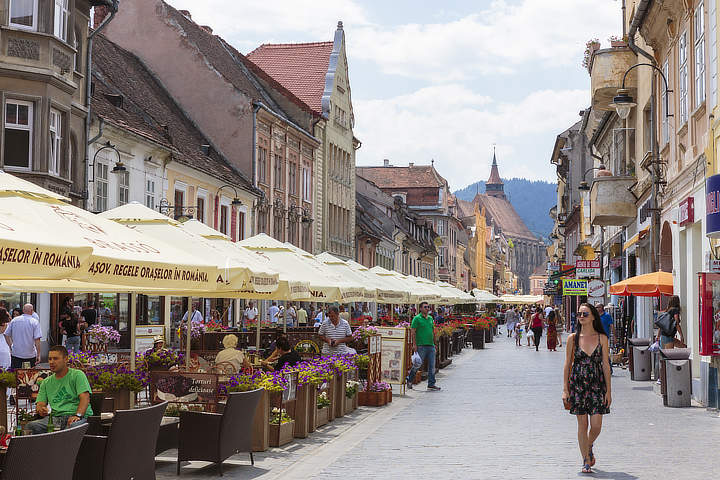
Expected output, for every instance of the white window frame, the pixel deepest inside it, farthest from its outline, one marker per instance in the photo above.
(55, 150)
(102, 186)
(664, 121)
(201, 195)
(307, 184)
(32, 27)
(699, 25)
(61, 16)
(123, 188)
(19, 126)
(150, 193)
(683, 77)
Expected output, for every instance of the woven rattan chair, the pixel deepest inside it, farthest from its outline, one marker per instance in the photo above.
(44, 456)
(128, 450)
(214, 437)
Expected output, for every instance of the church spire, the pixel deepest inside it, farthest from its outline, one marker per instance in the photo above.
(494, 186)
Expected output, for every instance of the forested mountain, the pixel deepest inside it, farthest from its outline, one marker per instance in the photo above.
(532, 200)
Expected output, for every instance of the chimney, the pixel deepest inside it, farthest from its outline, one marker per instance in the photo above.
(207, 28)
(99, 14)
(411, 164)
(386, 162)
(186, 14)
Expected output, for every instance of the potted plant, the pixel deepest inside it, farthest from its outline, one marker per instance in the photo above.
(196, 332)
(477, 335)
(351, 388)
(100, 337)
(375, 394)
(323, 408)
(281, 427)
(160, 360)
(119, 382)
(363, 363)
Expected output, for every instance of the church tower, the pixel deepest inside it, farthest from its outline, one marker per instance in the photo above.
(494, 186)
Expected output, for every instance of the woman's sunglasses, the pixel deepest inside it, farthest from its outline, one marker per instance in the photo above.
(583, 314)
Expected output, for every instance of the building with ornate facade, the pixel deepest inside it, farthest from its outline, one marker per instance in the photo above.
(318, 74)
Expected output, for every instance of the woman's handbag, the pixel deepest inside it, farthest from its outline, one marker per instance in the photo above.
(566, 403)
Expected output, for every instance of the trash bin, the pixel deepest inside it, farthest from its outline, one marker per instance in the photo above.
(675, 377)
(639, 359)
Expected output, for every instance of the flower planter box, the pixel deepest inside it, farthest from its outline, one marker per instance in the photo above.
(121, 400)
(489, 336)
(322, 416)
(340, 396)
(312, 408)
(281, 434)
(261, 422)
(388, 396)
(372, 399)
(302, 411)
(350, 404)
(333, 396)
(477, 337)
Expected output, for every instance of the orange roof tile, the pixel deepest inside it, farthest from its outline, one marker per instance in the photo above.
(503, 214)
(416, 176)
(299, 67)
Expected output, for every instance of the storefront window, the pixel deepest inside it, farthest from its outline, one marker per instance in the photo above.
(17, 300)
(178, 305)
(150, 310)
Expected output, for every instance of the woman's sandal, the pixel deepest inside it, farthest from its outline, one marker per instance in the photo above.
(592, 457)
(586, 467)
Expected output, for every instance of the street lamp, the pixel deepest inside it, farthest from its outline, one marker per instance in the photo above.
(119, 165)
(584, 185)
(623, 102)
(236, 201)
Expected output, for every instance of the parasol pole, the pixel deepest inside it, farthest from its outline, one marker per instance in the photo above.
(188, 332)
(133, 322)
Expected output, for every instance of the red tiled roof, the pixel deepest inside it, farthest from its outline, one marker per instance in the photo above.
(503, 214)
(416, 176)
(465, 209)
(299, 67)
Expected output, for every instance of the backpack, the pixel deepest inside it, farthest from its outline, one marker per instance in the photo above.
(666, 323)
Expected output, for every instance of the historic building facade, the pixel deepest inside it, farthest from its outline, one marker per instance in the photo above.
(318, 74)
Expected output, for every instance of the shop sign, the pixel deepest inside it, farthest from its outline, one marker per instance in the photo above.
(714, 266)
(596, 288)
(575, 287)
(712, 206)
(553, 267)
(686, 212)
(587, 268)
(149, 330)
(615, 263)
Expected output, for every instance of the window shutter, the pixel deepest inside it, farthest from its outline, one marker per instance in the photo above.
(233, 224)
(216, 212)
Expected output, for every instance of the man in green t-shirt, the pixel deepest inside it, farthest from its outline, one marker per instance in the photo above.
(66, 391)
(424, 345)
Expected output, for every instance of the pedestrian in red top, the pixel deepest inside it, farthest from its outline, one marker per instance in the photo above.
(536, 325)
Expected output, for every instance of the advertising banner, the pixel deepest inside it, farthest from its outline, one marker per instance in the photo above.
(587, 268)
(575, 287)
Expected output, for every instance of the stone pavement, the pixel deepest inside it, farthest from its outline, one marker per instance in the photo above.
(499, 415)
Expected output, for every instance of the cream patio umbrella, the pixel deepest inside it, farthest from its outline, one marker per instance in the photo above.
(343, 270)
(119, 255)
(237, 269)
(290, 287)
(388, 291)
(418, 292)
(324, 286)
(447, 296)
(483, 296)
(26, 250)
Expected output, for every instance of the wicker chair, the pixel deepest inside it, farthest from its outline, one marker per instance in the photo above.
(128, 451)
(39, 457)
(214, 437)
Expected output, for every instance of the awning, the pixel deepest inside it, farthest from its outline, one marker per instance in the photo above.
(636, 238)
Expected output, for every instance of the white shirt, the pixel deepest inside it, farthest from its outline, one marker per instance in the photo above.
(273, 313)
(334, 332)
(251, 313)
(4, 353)
(196, 317)
(24, 330)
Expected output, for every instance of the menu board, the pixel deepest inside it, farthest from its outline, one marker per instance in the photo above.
(289, 393)
(392, 363)
(28, 381)
(181, 387)
(375, 344)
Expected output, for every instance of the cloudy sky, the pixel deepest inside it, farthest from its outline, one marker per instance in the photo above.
(443, 80)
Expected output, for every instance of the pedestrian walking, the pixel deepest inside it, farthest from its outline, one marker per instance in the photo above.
(552, 335)
(607, 323)
(518, 333)
(23, 335)
(4, 347)
(560, 322)
(424, 345)
(667, 338)
(536, 325)
(587, 381)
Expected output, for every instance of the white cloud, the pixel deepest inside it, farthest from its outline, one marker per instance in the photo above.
(502, 38)
(438, 123)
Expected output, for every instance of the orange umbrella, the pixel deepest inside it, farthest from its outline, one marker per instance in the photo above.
(647, 285)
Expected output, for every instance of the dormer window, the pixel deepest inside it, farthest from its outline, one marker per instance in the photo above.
(24, 14)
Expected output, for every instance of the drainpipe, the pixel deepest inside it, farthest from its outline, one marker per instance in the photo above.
(256, 107)
(88, 82)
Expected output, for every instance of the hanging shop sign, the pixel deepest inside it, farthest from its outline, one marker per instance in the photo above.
(596, 288)
(575, 287)
(686, 211)
(712, 206)
(615, 263)
(553, 267)
(587, 268)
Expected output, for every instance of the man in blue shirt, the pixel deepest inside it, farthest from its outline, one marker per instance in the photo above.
(607, 322)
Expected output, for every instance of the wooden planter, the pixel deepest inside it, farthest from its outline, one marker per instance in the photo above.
(322, 416)
(261, 422)
(477, 337)
(121, 400)
(302, 411)
(333, 396)
(340, 396)
(372, 399)
(281, 434)
(312, 408)
(489, 336)
(388, 395)
(350, 404)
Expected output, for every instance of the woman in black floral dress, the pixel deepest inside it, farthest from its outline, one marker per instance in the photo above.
(586, 389)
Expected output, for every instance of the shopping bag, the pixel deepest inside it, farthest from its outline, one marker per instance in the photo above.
(416, 360)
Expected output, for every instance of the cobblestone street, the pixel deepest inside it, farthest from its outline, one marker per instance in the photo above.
(499, 415)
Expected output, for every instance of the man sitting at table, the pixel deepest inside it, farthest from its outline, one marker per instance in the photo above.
(288, 356)
(231, 354)
(66, 392)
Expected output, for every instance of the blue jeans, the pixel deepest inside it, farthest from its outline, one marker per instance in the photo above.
(73, 344)
(40, 426)
(426, 352)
